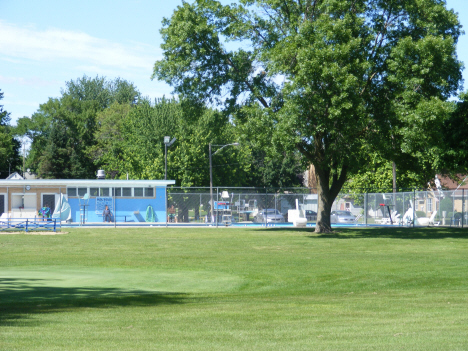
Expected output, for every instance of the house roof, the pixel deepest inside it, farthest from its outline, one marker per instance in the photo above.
(14, 175)
(449, 183)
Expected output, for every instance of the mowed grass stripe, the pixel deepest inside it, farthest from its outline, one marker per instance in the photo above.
(235, 289)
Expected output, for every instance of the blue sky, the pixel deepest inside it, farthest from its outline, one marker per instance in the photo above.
(45, 43)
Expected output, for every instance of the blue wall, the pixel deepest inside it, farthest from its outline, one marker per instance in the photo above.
(124, 207)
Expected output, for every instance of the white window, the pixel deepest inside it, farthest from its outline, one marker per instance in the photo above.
(127, 192)
(103, 191)
(429, 205)
(71, 192)
(138, 192)
(82, 191)
(149, 192)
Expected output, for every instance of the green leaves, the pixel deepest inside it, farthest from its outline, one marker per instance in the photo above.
(9, 146)
(63, 130)
(455, 141)
(334, 77)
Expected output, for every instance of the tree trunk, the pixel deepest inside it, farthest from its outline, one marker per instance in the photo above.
(324, 204)
(327, 195)
(323, 214)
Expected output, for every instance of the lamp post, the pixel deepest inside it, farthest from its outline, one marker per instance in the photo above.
(167, 143)
(211, 175)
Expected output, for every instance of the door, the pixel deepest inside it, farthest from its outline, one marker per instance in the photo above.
(48, 200)
(2, 204)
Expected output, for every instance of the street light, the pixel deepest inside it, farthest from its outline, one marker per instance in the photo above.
(211, 175)
(167, 143)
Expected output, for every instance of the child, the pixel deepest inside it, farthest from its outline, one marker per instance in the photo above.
(106, 214)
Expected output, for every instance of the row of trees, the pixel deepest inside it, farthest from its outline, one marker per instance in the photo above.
(342, 82)
(352, 87)
(95, 125)
(98, 123)
(10, 160)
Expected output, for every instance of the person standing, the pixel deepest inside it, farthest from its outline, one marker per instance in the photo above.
(106, 214)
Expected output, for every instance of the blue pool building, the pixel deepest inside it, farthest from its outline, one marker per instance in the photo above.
(83, 201)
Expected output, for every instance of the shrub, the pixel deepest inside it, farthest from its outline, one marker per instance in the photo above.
(420, 214)
(446, 204)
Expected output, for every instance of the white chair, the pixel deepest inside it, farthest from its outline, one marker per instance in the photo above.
(423, 221)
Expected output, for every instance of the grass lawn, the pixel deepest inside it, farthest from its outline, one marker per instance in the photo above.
(235, 289)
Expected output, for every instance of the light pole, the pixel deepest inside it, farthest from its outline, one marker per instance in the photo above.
(167, 143)
(211, 175)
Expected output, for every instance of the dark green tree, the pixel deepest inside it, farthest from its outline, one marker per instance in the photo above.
(73, 114)
(455, 132)
(10, 160)
(62, 132)
(377, 176)
(141, 151)
(335, 79)
(108, 151)
(60, 158)
(105, 92)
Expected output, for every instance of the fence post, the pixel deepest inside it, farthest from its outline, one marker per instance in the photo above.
(115, 207)
(365, 208)
(414, 205)
(217, 209)
(463, 207)
(165, 190)
(55, 224)
(275, 202)
(26, 225)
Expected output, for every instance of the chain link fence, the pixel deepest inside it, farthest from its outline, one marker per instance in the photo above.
(235, 205)
(228, 206)
(270, 207)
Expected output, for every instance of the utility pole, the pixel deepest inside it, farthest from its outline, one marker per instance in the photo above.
(24, 152)
(211, 176)
(167, 143)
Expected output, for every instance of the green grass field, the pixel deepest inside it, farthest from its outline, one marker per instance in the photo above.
(235, 289)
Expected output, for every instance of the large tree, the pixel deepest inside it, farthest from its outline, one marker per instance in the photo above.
(377, 176)
(62, 131)
(337, 79)
(137, 146)
(455, 133)
(9, 146)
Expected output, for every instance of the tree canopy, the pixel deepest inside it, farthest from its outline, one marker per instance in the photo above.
(455, 132)
(9, 145)
(130, 141)
(62, 130)
(334, 79)
(105, 124)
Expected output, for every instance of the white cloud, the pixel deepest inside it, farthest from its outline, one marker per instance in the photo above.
(55, 44)
(30, 81)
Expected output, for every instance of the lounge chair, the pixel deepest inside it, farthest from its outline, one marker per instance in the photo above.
(426, 221)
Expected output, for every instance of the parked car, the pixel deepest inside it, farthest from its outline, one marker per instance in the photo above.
(271, 215)
(341, 217)
(311, 215)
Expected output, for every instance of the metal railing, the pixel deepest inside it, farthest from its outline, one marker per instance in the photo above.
(246, 206)
(242, 206)
(29, 224)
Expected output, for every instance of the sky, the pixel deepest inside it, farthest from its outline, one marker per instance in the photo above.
(44, 44)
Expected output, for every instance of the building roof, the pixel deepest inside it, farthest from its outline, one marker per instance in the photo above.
(14, 175)
(86, 183)
(451, 184)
